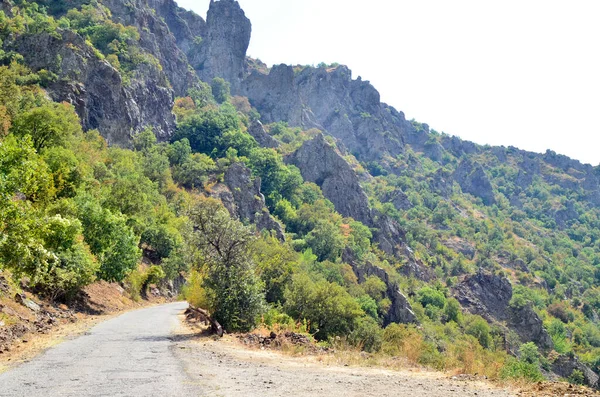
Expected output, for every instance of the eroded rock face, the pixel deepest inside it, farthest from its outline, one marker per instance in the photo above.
(489, 295)
(319, 162)
(223, 49)
(473, 180)
(156, 37)
(257, 130)
(101, 98)
(400, 311)
(564, 366)
(245, 201)
(399, 200)
(330, 100)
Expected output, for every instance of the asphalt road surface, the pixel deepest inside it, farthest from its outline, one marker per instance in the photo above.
(130, 355)
(146, 353)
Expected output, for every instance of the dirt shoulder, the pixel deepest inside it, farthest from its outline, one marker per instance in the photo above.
(225, 367)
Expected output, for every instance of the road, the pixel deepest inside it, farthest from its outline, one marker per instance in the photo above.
(130, 355)
(148, 353)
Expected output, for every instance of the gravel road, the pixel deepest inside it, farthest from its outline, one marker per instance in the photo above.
(149, 353)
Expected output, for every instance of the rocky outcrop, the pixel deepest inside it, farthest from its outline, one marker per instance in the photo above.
(441, 182)
(398, 199)
(222, 52)
(564, 366)
(245, 201)
(330, 100)
(257, 130)
(320, 162)
(101, 98)
(489, 295)
(400, 311)
(156, 38)
(473, 180)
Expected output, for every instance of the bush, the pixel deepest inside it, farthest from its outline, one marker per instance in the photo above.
(367, 335)
(328, 307)
(519, 370)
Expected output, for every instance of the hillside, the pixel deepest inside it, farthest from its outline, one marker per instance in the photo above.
(289, 197)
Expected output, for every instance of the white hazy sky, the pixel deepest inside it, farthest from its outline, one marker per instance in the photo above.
(513, 72)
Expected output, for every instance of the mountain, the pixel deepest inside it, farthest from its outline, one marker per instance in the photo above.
(367, 220)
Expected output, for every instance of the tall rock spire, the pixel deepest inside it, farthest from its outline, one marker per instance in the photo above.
(223, 51)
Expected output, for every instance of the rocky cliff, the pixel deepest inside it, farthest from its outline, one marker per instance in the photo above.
(245, 202)
(101, 97)
(321, 163)
(489, 295)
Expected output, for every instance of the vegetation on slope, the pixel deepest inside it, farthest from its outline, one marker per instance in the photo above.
(73, 210)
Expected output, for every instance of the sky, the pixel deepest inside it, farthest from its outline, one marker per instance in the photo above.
(524, 73)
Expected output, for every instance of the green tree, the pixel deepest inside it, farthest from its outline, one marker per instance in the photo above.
(48, 125)
(328, 308)
(220, 90)
(109, 238)
(326, 241)
(223, 256)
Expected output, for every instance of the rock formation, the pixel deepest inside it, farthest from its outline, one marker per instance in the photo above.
(400, 311)
(101, 98)
(320, 162)
(245, 201)
(257, 130)
(473, 180)
(489, 295)
(222, 52)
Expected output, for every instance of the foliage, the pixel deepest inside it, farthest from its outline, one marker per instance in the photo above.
(328, 308)
(223, 256)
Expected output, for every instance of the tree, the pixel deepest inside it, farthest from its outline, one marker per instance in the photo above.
(328, 307)
(48, 125)
(220, 90)
(276, 263)
(109, 238)
(326, 241)
(222, 256)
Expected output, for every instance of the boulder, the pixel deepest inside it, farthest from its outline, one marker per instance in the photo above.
(321, 163)
(257, 130)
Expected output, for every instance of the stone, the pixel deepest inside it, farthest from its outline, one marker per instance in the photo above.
(488, 295)
(564, 366)
(244, 200)
(257, 130)
(400, 311)
(321, 163)
(223, 49)
(28, 303)
(473, 180)
(97, 91)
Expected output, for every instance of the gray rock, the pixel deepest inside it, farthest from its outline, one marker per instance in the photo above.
(441, 182)
(330, 100)
(473, 180)
(257, 130)
(156, 37)
(101, 98)
(319, 162)
(489, 295)
(398, 198)
(564, 366)
(223, 49)
(400, 311)
(28, 303)
(248, 202)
